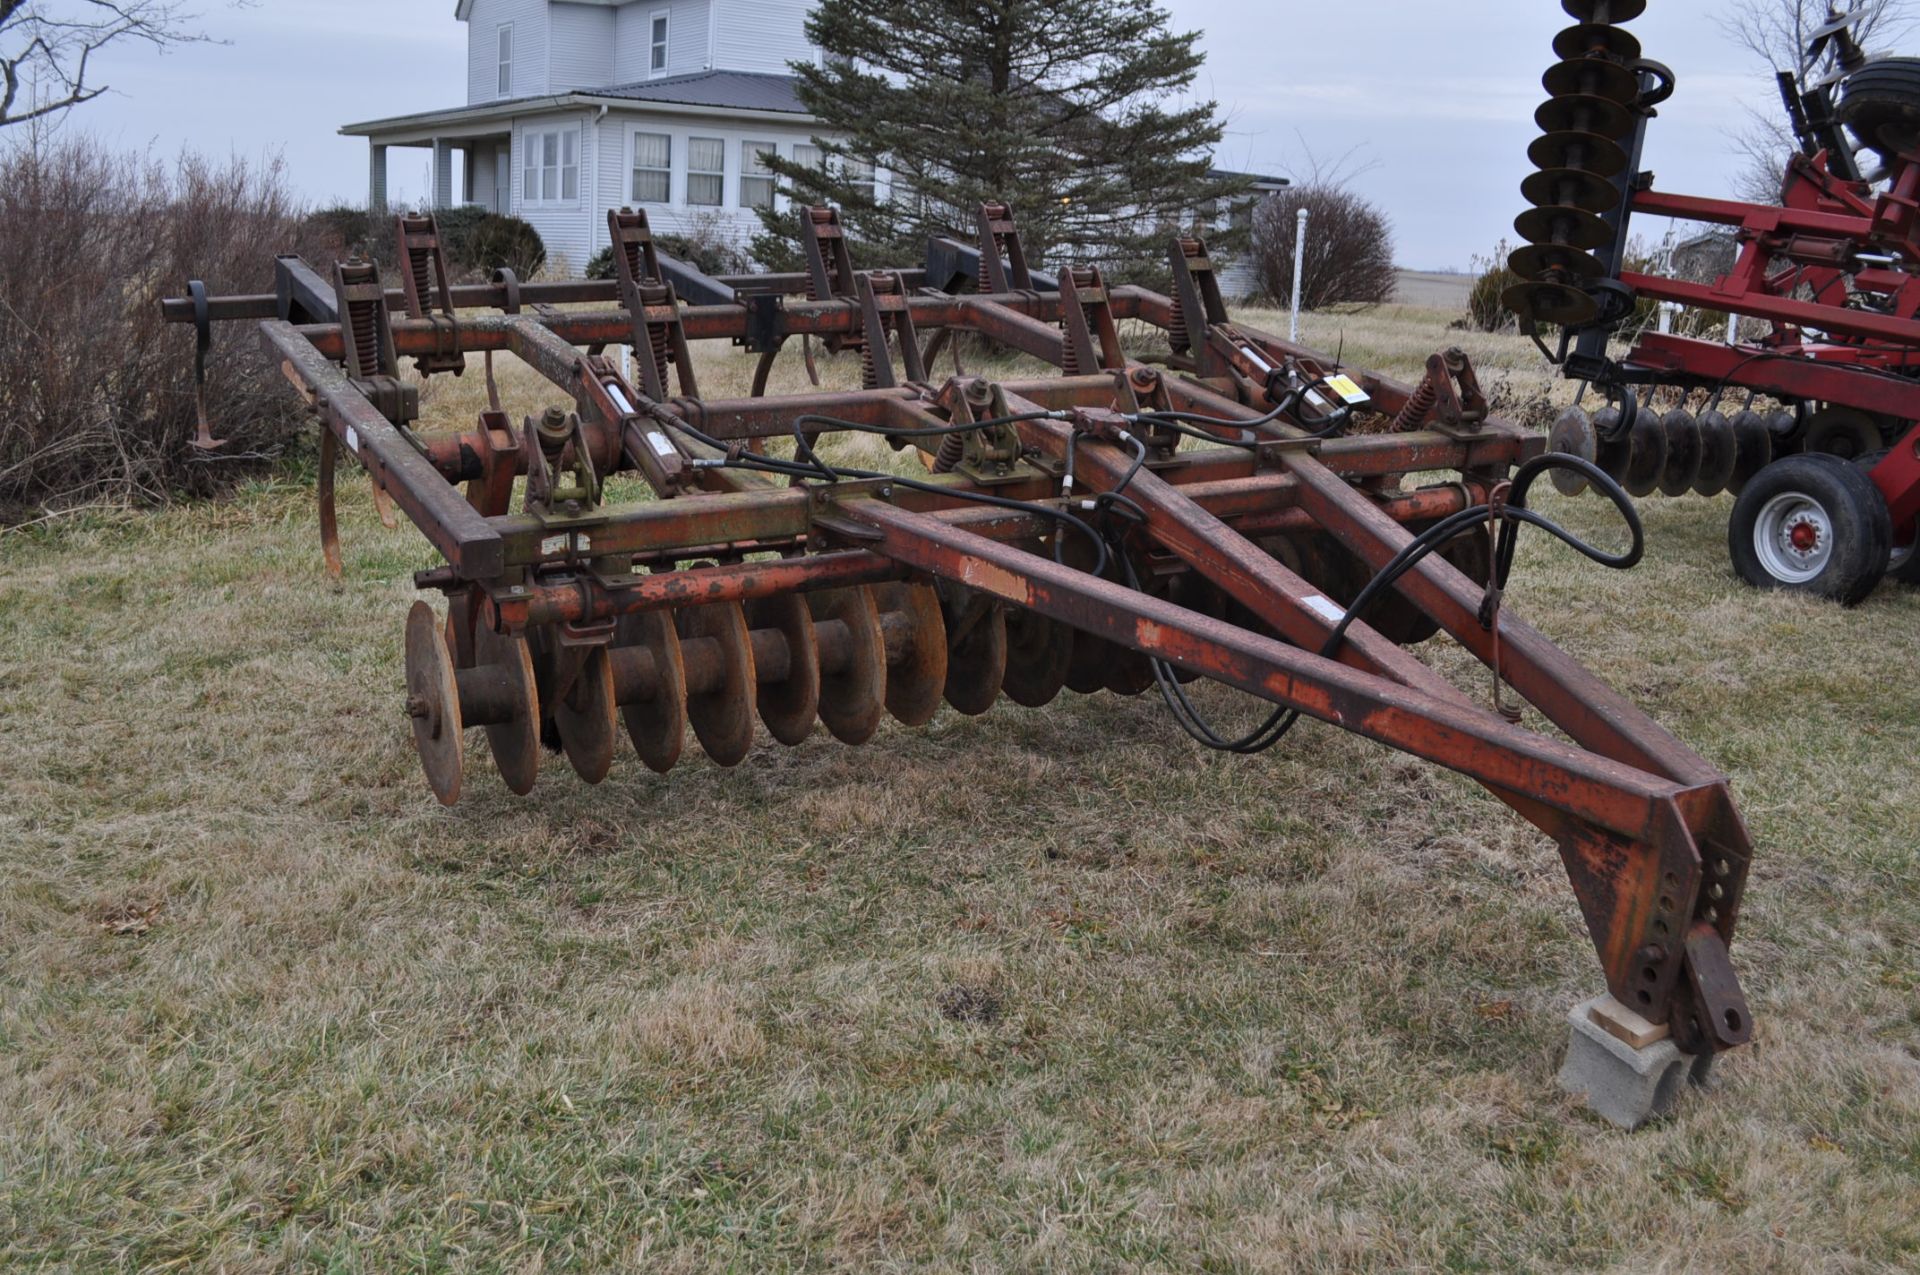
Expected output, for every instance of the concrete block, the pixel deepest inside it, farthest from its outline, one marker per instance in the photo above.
(1627, 1086)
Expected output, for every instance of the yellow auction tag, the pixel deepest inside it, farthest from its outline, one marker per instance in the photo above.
(1346, 388)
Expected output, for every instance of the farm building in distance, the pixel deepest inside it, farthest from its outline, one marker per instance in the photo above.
(577, 106)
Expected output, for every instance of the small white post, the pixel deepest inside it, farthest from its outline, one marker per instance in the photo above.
(1667, 310)
(1733, 328)
(1299, 260)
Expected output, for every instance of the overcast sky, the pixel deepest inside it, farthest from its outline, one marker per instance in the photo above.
(1438, 96)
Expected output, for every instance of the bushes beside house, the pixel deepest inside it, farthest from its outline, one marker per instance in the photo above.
(477, 242)
(705, 246)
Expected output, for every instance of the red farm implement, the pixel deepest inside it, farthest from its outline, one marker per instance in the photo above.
(1234, 510)
(1827, 485)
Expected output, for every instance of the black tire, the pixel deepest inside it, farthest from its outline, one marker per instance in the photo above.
(1903, 561)
(1842, 431)
(1881, 104)
(1834, 506)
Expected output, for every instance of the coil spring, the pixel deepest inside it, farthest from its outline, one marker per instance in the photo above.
(366, 337)
(657, 334)
(1177, 335)
(952, 448)
(422, 278)
(1419, 403)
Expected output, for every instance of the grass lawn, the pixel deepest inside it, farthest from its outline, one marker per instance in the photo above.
(1045, 989)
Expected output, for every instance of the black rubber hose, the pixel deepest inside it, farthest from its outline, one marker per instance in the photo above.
(1270, 732)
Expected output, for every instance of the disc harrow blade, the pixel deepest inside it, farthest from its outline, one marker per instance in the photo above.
(1718, 451)
(720, 682)
(1682, 467)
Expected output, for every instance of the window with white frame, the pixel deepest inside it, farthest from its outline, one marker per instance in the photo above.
(706, 170)
(807, 155)
(756, 179)
(552, 171)
(657, 40)
(503, 82)
(859, 175)
(652, 168)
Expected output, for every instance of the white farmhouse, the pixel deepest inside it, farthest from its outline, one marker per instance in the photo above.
(577, 106)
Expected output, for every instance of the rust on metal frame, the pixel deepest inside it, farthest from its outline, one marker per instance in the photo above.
(792, 592)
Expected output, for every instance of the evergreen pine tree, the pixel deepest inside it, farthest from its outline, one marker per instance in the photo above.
(1069, 110)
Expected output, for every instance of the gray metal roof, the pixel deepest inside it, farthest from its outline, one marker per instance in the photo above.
(739, 90)
(701, 91)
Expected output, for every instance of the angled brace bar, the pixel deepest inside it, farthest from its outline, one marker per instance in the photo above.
(651, 435)
(829, 263)
(300, 295)
(1025, 333)
(1197, 303)
(1086, 315)
(884, 307)
(1003, 260)
(604, 396)
(1296, 608)
(367, 331)
(429, 296)
(659, 339)
(658, 336)
(1592, 789)
(1635, 866)
(443, 515)
(361, 303)
(635, 258)
(830, 274)
(424, 265)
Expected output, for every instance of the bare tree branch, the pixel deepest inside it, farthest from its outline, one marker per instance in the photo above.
(47, 48)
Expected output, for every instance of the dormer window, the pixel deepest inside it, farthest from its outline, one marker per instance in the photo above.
(657, 57)
(504, 84)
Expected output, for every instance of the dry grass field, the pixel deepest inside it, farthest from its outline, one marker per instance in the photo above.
(1043, 990)
(1434, 291)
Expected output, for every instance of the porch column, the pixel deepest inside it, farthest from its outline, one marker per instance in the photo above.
(442, 173)
(376, 177)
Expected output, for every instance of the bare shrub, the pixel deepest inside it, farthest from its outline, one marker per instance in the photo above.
(96, 393)
(706, 241)
(345, 230)
(1349, 247)
(496, 241)
(1486, 312)
(476, 241)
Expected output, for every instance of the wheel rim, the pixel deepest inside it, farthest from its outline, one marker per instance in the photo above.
(1793, 537)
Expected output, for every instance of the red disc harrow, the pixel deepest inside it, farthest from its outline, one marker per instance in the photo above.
(1223, 511)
